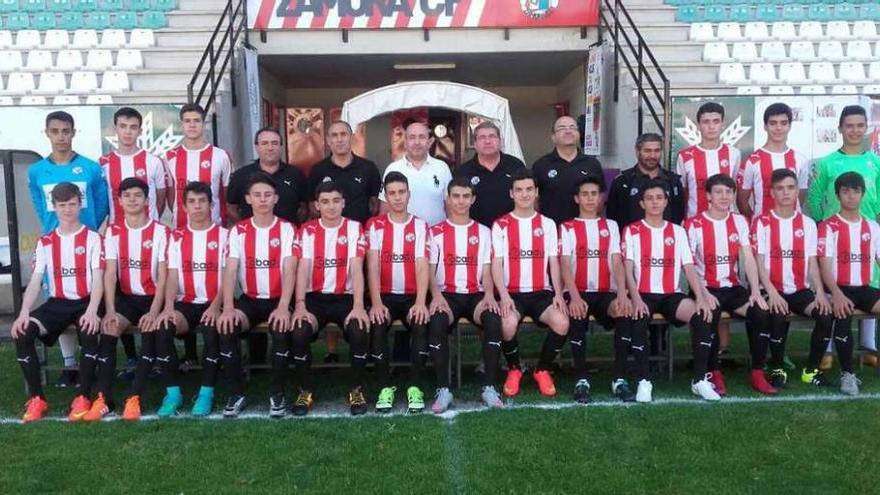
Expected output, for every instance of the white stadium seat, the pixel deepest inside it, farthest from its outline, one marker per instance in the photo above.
(129, 59)
(39, 60)
(732, 73)
(27, 38)
(811, 31)
(5, 39)
(830, 51)
(852, 72)
(83, 82)
(756, 31)
(729, 31)
(6, 101)
(10, 61)
(744, 51)
(844, 89)
(780, 90)
(56, 39)
(877, 50)
(702, 31)
(871, 89)
(822, 73)
(864, 30)
(20, 83)
(141, 38)
(99, 100)
(69, 60)
(812, 90)
(715, 52)
(84, 39)
(32, 100)
(802, 51)
(792, 73)
(99, 60)
(112, 38)
(65, 100)
(749, 90)
(838, 30)
(783, 31)
(51, 83)
(114, 82)
(773, 51)
(859, 50)
(762, 73)
(874, 71)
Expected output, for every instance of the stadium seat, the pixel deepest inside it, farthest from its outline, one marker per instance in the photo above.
(762, 73)
(863, 30)
(84, 38)
(768, 13)
(126, 20)
(811, 31)
(97, 20)
(716, 52)
(749, 90)
(10, 61)
(831, 51)
(689, 13)
(141, 38)
(744, 51)
(71, 21)
(845, 11)
(837, 30)
(65, 100)
(792, 73)
(28, 38)
(114, 82)
(164, 5)
(39, 60)
(818, 12)
(874, 71)
(5, 101)
(802, 51)
(99, 100)
(112, 39)
(98, 60)
(812, 90)
(715, 13)
(732, 73)
(871, 89)
(8, 6)
(756, 31)
(741, 13)
(129, 59)
(69, 60)
(56, 39)
(852, 72)
(793, 12)
(20, 83)
(44, 21)
(82, 83)
(859, 50)
(154, 20)
(773, 51)
(32, 101)
(729, 31)
(5, 39)
(869, 11)
(18, 21)
(780, 90)
(138, 5)
(844, 89)
(111, 5)
(783, 31)
(85, 5)
(822, 73)
(702, 31)
(32, 5)
(51, 83)
(58, 5)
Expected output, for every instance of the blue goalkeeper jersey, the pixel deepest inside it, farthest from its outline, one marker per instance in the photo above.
(86, 174)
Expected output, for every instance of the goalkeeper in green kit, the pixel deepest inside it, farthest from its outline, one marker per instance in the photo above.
(822, 199)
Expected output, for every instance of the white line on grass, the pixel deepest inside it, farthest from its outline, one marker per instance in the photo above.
(472, 408)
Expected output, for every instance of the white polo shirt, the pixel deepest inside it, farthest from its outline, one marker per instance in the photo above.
(427, 187)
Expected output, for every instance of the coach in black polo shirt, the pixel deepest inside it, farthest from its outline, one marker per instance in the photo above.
(491, 173)
(559, 172)
(290, 183)
(358, 177)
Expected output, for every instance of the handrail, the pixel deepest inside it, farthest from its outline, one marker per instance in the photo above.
(638, 53)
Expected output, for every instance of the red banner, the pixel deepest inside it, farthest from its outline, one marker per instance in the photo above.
(420, 14)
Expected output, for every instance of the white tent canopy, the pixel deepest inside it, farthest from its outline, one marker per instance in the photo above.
(454, 96)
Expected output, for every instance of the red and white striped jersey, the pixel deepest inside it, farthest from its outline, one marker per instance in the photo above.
(261, 253)
(696, 164)
(715, 245)
(855, 248)
(142, 165)
(138, 253)
(399, 246)
(659, 254)
(525, 245)
(754, 175)
(68, 261)
(199, 257)
(591, 243)
(209, 165)
(786, 245)
(330, 251)
(460, 254)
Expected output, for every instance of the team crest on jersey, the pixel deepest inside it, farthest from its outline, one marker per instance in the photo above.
(669, 241)
(212, 245)
(79, 250)
(733, 237)
(148, 244)
(604, 233)
(205, 164)
(799, 233)
(538, 232)
(473, 240)
(76, 170)
(633, 191)
(552, 173)
(327, 179)
(475, 180)
(140, 172)
(537, 9)
(275, 242)
(866, 237)
(341, 240)
(410, 237)
(724, 163)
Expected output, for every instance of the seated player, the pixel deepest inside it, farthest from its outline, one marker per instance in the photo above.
(71, 260)
(719, 241)
(849, 250)
(330, 289)
(656, 252)
(261, 261)
(785, 242)
(525, 268)
(196, 256)
(461, 257)
(592, 269)
(134, 289)
(397, 273)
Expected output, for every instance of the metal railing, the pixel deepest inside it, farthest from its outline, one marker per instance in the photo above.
(651, 83)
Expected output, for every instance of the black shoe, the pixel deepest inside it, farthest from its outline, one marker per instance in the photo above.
(68, 379)
(582, 392)
(357, 402)
(621, 390)
(331, 358)
(277, 406)
(303, 403)
(777, 377)
(234, 406)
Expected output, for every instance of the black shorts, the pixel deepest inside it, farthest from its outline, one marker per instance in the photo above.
(463, 306)
(55, 315)
(864, 297)
(329, 308)
(399, 305)
(599, 303)
(730, 298)
(799, 301)
(256, 311)
(665, 304)
(133, 307)
(192, 312)
(532, 303)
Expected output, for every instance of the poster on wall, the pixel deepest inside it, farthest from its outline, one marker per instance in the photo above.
(160, 130)
(592, 117)
(358, 139)
(739, 123)
(398, 117)
(305, 137)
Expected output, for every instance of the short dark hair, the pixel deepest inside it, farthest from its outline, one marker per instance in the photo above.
(266, 129)
(778, 108)
(132, 183)
(710, 107)
(461, 181)
(523, 174)
(648, 137)
(346, 124)
(654, 184)
(196, 187)
(851, 110)
(720, 180)
(65, 191)
(410, 121)
(590, 179)
(192, 107)
(260, 178)
(392, 177)
(780, 174)
(488, 124)
(60, 115)
(129, 113)
(328, 187)
(849, 180)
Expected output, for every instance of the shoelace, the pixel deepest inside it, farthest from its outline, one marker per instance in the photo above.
(357, 398)
(303, 399)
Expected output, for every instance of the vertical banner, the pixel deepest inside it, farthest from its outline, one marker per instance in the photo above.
(252, 74)
(592, 114)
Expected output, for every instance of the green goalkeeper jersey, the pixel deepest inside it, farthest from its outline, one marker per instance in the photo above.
(821, 198)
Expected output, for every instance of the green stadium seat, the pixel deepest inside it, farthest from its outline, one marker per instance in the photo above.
(154, 20)
(845, 12)
(125, 20)
(869, 12)
(793, 12)
(33, 5)
(689, 13)
(818, 12)
(44, 21)
(768, 13)
(164, 5)
(71, 21)
(741, 13)
(17, 21)
(58, 5)
(111, 5)
(85, 5)
(97, 20)
(137, 5)
(7, 6)
(716, 13)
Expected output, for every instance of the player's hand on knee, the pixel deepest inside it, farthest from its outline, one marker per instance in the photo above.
(841, 305)
(822, 303)
(90, 323)
(19, 326)
(755, 299)
(379, 314)
(418, 314)
(623, 306)
(279, 320)
(577, 307)
(360, 316)
(111, 322)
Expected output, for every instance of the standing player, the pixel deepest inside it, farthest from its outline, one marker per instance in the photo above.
(330, 288)
(849, 249)
(134, 288)
(397, 272)
(525, 268)
(592, 269)
(719, 241)
(261, 261)
(656, 251)
(462, 287)
(785, 242)
(72, 261)
(196, 256)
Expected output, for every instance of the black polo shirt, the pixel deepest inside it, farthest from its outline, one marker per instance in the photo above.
(492, 187)
(359, 181)
(290, 185)
(626, 189)
(557, 180)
